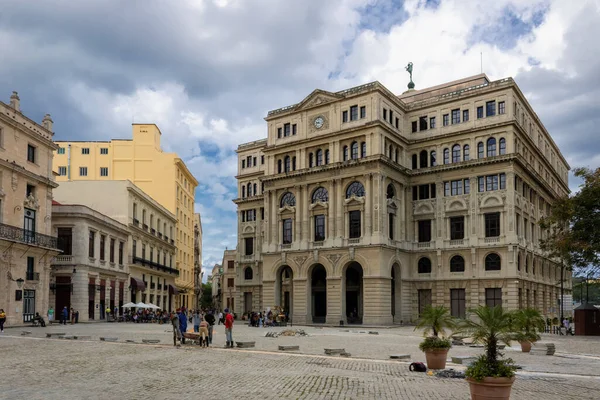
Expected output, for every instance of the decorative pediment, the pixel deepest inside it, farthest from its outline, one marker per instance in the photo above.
(353, 200)
(491, 200)
(457, 205)
(318, 204)
(424, 208)
(317, 98)
(248, 229)
(287, 208)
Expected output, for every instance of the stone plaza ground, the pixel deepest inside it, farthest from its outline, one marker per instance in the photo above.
(35, 367)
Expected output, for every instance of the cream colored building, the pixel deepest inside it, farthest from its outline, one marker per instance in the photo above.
(163, 176)
(215, 279)
(27, 243)
(229, 290)
(197, 260)
(365, 206)
(151, 262)
(92, 271)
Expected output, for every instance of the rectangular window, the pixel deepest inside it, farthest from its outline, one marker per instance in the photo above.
(414, 126)
(254, 161)
(424, 231)
(385, 114)
(91, 244)
(354, 224)
(249, 161)
(457, 228)
(455, 116)
(465, 115)
(85, 150)
(431, 122)
(102, 245)
(262, 160)
(415, 192)
(30, 153)
(65, 241)
(30, 269)
(230, 283)
(501, 107)
(490, 108)
(391, 116)
(121, 246)
(457, 303)
(319, 228)
(249, 246)
(104, 150)
(363, 112)
(456, 188)
(491, 183)
(502, 181)
(294, 129)
(111, 251)
(243, 163)
(287, 231)
(479, 112)
(286, 130)
(82, 171)
(345, 116)
(467, 186)
(230, 264)
(61, 150)
(423, 192)
(492, 224)
(493, 297)
(262, 213)
(278, 133)
(423, 123)
(62, 171)
(391, 225)
(445, 119)
(353, 113)
(397, 123)
(103, 171)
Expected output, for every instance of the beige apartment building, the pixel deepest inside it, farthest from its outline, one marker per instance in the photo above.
(27, 243)
(92, 272)
(215, 279)
(151, 261)
(363, 206)
(228, 289)
(163, 176)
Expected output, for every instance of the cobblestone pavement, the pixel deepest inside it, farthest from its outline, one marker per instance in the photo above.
(34, 367)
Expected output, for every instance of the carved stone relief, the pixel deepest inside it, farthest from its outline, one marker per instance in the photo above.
(299, 260)
(333, 258)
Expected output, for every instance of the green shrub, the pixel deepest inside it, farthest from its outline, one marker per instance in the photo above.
(483, 368)
(435, 343)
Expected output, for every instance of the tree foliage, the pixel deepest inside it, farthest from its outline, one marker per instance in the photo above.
(573, 226)
(206, 301)
(436, 320)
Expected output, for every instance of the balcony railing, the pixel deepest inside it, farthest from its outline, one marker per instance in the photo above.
(64, 259)
(157, 266)
(145, 227)
(492, 240)
(10, 232)
(32, 276)
(153, 231)
(456, 242)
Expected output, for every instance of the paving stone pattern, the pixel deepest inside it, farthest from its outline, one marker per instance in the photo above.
(33, 366)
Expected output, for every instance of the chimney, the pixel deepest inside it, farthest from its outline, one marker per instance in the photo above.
(47, 122)
(15, 102)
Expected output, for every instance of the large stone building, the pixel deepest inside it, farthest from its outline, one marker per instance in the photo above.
(27, 243)
(365, 206)
(92, 271)
(151, 248)
(228, 277)
(163, 176)
(198, 274)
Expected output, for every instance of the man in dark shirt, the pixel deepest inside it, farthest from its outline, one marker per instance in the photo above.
(210, 318)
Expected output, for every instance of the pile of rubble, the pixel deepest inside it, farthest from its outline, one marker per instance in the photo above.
(287, 332)
(450, 373)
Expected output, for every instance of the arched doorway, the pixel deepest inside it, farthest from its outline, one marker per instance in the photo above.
(354, 293)
(285, 289)
(318, 294)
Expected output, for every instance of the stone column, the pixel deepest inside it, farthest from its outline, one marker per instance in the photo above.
(334, 300)
(377, 306)
(298, 234)
(339, 211)
(332, 210)
(368, 205)
(306, 231)
(268, 293)
(299, 301)
(79, 296)
(97, 300)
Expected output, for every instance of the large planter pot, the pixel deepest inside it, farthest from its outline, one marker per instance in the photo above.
(436, 359)
(491, 388)
(525, 347)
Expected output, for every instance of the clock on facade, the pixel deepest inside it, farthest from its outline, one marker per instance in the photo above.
(319, 121)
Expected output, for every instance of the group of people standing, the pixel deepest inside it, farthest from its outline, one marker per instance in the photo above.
(203, 323)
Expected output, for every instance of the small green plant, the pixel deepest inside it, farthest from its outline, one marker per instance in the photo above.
(527, 325)
(435, 343)
(482, 368)
(435, 321)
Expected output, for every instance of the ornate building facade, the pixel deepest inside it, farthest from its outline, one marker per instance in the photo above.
(27, 242)
(365, 207)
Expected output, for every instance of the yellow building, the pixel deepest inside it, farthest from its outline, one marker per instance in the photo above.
(163, 176)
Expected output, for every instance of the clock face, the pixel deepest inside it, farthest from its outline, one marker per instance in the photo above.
(319, 121)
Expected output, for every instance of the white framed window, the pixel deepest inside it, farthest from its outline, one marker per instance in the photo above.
(82, 171)
(62, 171)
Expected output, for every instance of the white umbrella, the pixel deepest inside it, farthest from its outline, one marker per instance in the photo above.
(152, 306)
(141, 305)
(128, 305)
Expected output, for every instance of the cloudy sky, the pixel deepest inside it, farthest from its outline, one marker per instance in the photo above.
(207, 71)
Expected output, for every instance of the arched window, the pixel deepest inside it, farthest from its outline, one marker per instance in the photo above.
(396, 156)
(423, 159)
(278, 166)
(249, 189)
(319, 155)
(466, 152)
(432, 160)
(288, 199)
(345, 153)
(491, 147)
(457, 264)
(354, 149)
(254, 189)
(363, 150)
(446, 156)
(390, 151)
(327, 156)
(310, 160)
(286, 163)
(502, 144)
(492, 262)
(424, 266)
(456, 153)
(243, 191)
(480, 150)
(526, 265)
(519, 262)
(355, 189)
(294, 163)
(391, 192)
(415, 160)
(320, 194)
(248, 273)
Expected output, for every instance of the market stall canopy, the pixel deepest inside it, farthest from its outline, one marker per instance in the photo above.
(152, 306)
(141, 305)
(128, 305)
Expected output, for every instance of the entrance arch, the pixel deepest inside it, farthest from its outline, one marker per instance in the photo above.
(318, 294)
(353, 293)
(284, 293)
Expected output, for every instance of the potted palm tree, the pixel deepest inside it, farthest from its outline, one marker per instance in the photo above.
(434, 321)
(490, 376)
(528, 323)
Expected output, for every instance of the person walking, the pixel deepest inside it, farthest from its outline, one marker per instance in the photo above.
(210, 318)
(2, 320)
(50, 315)
(64, 316)
(196, 321)
(228, 328)
(182, 324)
(176, 331)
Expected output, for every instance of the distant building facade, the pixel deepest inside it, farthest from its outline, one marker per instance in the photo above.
(197, 259)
